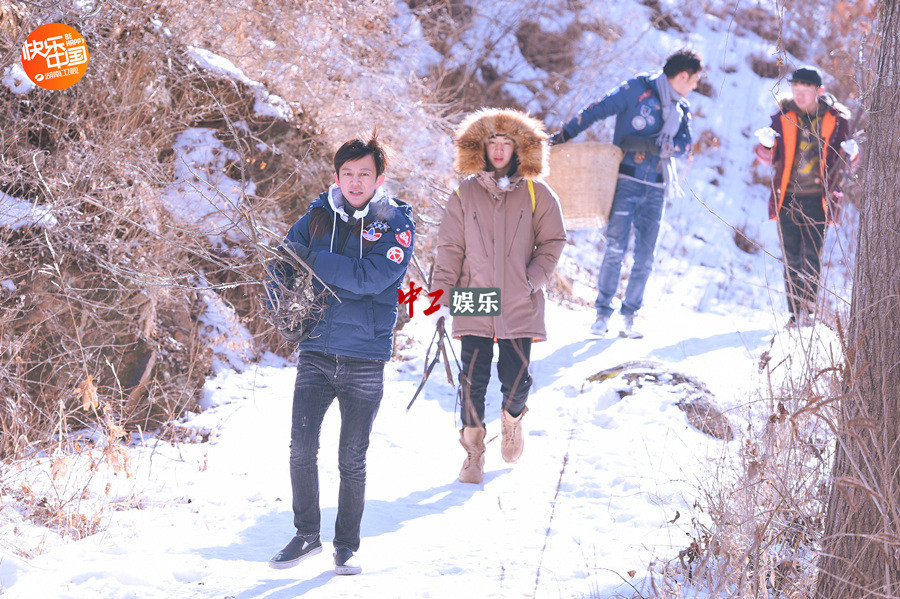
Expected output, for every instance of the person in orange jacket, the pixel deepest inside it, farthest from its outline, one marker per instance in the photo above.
(808, 146)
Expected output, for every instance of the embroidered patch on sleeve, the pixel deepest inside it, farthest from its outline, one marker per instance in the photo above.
(404, 238)
(395, 254)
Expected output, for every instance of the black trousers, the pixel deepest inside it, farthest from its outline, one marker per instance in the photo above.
(512, 368)
(802, 226)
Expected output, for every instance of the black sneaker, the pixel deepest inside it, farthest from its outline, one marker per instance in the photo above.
(345, 562)
(297, 550)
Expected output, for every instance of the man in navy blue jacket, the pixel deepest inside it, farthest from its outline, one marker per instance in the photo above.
(652, 127)
(358, 241)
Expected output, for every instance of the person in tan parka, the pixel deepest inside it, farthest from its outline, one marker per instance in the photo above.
(503, 228)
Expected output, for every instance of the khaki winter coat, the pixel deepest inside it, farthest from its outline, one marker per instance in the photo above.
(490, 237)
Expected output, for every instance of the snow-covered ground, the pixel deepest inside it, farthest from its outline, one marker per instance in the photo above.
(593, 497)
(611, 470)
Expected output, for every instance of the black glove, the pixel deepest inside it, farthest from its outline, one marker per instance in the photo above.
(558, 138)
(289, 329)
(294, 335)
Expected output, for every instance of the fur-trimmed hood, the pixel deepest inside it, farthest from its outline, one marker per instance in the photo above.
(528, 133)
(825, 99)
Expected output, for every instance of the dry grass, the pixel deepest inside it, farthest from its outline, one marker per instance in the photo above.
(767, 67)
(660, 19)
(762, 519)
(109, 300)
(442, 21)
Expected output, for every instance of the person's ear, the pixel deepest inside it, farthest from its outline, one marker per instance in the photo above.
(379, 181)
(337, 181)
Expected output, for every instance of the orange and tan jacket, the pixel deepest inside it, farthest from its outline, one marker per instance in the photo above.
(833, 131)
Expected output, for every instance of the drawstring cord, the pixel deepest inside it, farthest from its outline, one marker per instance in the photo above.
(333, 229)
(362, 226)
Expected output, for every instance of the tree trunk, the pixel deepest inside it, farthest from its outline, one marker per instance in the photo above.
(861, 549)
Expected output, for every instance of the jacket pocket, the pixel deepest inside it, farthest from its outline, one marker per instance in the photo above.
(465, 279)
(512, 240)
(480, 234)
(354, 321)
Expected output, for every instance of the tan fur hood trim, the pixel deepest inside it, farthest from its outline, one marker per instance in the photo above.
(528, 133)
(824, 99)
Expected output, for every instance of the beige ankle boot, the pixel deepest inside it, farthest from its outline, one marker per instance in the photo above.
(472, 440)
(513, 442)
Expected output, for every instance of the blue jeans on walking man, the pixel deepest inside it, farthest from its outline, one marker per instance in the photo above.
(641, 205)
(358, 384)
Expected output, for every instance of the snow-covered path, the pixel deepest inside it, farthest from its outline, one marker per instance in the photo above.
(591, 499)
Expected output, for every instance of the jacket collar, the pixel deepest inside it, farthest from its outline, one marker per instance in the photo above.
(487, 180)
(340, 206)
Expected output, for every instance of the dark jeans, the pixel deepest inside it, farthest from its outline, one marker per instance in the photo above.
(802, 225)
(358, 385)
(642, 206)
(512, 368)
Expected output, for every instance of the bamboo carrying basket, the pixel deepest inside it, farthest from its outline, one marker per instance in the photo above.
(584, 176)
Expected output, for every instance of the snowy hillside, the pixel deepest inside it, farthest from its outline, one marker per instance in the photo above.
(613, 479)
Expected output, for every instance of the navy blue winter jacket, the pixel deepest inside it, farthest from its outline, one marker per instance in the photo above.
(638, 112)
(364, 262)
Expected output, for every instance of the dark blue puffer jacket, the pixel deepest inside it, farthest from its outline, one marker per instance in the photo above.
(638, 112)
(363, 260)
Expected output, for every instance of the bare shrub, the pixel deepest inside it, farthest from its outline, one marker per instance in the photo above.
(336, 77)
(552, 51)
(81, 311)
(462, 89)
(705, 88)
(760, 21)
(111, 296)
(68, 491)
(797, 47)
(707, 140)
(442, 21)
(764, 513)
(765, 67)
(605, 29)
(745, 243)
(662, 20)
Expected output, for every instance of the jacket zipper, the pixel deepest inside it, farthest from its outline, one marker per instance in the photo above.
(343, 238)
(518, 222)
(480, 234)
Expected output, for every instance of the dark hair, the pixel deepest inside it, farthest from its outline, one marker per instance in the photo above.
(357, 148)
(683, 60)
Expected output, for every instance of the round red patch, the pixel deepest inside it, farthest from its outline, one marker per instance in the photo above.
(395, 254)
